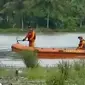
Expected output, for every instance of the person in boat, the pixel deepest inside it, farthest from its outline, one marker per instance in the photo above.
(81, 43)
(31, 36)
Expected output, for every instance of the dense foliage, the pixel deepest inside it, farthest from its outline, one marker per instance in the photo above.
(42, 13)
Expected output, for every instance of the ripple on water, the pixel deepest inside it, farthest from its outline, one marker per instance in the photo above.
(7, 59)
(56, 40)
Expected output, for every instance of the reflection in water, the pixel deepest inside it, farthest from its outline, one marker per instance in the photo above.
(57, 40)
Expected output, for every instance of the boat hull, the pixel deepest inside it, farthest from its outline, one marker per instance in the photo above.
(51, 53)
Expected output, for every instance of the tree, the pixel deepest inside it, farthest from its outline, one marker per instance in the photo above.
(42, 8)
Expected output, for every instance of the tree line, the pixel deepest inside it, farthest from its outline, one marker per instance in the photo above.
(42, 13)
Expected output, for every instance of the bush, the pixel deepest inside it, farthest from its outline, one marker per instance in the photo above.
(64, 68)
(56, 78)
(60, 75)
(29, 58)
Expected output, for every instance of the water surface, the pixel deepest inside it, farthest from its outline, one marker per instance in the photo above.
(58, 40)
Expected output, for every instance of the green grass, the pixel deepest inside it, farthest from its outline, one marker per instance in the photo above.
(62, 74)
(38, 73)
(6, 72)
(41, 30)
(12, 30)
(71, 30)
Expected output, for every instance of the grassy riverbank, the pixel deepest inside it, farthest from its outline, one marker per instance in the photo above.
(62, 74)
(10, 30)
(40, 30)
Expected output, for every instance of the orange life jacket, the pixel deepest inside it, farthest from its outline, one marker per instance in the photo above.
(82, 44)
(31, 36)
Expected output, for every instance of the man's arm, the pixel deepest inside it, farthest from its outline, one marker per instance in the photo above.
(25, 37)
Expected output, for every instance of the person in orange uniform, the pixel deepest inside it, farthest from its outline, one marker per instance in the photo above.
(81, 43)
(31, 36)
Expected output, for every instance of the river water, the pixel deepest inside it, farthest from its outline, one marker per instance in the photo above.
(58, 40)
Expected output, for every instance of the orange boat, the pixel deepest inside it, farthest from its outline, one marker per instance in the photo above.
(51, 53)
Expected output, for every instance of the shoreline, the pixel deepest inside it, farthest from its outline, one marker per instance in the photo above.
(38, 31)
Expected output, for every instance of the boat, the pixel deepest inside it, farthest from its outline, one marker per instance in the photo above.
(51, 53)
